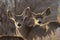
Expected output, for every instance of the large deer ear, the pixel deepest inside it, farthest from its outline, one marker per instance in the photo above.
(46, 12)
(27, 12)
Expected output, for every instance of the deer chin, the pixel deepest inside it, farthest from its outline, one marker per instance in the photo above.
(43, 26)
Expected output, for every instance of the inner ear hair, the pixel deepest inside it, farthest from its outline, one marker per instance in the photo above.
(46, 12)
(25, 10)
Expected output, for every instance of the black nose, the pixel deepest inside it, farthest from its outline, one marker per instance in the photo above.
(39, 22)
(19, 24)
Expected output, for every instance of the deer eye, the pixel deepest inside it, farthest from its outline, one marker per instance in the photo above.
(0, 20)
(37, 16)
(22, 19)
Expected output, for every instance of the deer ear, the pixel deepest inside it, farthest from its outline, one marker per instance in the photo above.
(46, 12)
(27, 12)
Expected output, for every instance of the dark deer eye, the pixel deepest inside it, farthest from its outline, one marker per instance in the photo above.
(0, 20)
(39, 22)
(19, 24)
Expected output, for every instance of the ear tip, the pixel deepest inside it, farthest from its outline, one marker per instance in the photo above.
(28, 8)
(49, 8)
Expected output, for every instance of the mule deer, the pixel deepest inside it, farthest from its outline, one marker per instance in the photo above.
(43, 30)
(24, 23)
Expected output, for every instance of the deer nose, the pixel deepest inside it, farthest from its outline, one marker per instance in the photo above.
(39, 22)
(19, 24)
